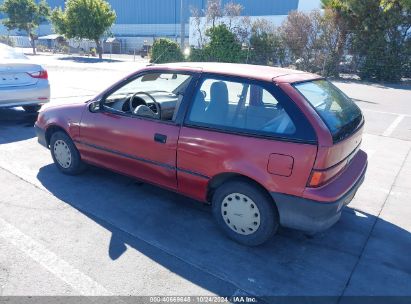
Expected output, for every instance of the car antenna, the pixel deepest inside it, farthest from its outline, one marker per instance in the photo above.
(161, 55)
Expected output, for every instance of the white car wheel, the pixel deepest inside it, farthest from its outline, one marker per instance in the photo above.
(245, 212)
(62, 153)
(240, 213)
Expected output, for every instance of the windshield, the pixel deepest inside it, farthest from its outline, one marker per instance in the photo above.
(155, 82)
(7, 52)
(341, 115)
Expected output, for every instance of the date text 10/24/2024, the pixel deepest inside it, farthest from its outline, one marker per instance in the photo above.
(203, 299)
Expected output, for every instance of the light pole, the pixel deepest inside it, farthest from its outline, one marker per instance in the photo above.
(182, 25)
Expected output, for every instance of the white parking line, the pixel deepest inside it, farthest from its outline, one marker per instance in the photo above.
(384, 112)
(393, 125)
(79, 281)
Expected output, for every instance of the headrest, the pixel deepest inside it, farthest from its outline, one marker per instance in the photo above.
(219, 91)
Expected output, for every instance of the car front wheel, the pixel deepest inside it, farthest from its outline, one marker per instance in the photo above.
(65, 154)
(245, 213)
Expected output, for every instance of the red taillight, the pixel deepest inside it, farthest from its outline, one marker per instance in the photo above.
(320, 177)
(317, 179)
(40, 74)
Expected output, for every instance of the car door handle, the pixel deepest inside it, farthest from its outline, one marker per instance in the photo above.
(160, 138)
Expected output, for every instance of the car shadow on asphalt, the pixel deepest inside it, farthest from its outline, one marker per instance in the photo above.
(16, 125)
(180, 234)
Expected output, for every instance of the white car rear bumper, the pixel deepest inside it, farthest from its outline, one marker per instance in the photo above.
(25, 95)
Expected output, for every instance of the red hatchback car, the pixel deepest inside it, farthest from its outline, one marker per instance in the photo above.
(264, 146)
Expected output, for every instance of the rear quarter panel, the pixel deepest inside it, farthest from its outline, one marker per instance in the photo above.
(206, 154)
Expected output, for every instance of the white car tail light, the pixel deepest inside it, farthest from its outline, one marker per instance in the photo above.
(40, 74)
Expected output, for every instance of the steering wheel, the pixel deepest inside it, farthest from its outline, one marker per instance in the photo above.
(133, 110)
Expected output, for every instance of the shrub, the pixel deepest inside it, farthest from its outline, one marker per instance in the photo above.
(313, 41)
(223, 46)
(165, 50)
(93, 52)
(197, 55)
(65, 49)
(266, 45)
(42, 48)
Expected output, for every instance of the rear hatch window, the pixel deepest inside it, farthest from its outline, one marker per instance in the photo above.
(341, 115)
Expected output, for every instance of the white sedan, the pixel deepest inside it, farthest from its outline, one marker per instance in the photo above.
(22, 83)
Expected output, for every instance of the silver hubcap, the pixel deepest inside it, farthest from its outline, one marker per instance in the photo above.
(62, 153)
(240, 213)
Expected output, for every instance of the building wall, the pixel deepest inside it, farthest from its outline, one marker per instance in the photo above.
(168, 11)
(140, 21)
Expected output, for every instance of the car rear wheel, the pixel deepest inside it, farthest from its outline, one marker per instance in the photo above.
(245, 213)
(65, 154)
(32, 109)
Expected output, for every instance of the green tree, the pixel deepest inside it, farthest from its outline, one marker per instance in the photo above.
(380, 39)
(223, 45)
(214, 11)
(266, 44)
(166, 50)
(84, 19)
(336, 12)
(216, 14)
(295, 32)
(379, 32)
(301, 33)
(25, 15)
(332, 43)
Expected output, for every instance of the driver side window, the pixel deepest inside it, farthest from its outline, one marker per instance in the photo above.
(153, 95)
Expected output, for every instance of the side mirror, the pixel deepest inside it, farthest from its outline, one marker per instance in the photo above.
(94, 106)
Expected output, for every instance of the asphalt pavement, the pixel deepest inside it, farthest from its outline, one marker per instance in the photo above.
(105, 234)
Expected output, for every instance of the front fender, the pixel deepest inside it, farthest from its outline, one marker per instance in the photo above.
(66, 117)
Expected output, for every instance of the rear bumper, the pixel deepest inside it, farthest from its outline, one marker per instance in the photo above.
(36, 94)
(41, 136)
(312, 215)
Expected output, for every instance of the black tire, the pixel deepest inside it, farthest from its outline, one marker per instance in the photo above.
(269, 218)
(76, 165)
(32, 109)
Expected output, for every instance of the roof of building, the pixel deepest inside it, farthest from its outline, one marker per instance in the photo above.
(260, 72)
(51, 37)
(112, 39)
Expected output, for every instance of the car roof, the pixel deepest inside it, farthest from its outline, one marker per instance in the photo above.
(260, 72)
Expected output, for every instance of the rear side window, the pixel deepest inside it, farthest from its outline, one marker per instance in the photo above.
(240, 106)
(341, 115)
